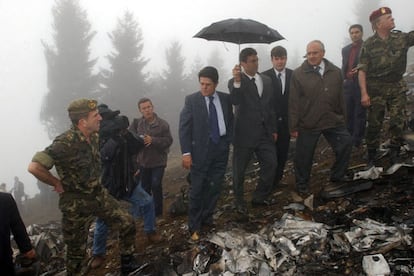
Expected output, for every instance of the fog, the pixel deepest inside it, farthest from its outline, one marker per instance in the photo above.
(24, 23)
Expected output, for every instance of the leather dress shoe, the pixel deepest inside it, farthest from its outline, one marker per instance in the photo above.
(265, 202)
(97, 261)
(154, 237)
(303, 190)
(345, 178)
(195, 237)
(241, 209)
(208, 226)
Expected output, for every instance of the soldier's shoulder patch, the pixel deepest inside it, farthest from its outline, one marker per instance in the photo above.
(65, 137)
(69, 136)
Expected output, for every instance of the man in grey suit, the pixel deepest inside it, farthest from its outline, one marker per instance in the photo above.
(255, 128)
(206, 126)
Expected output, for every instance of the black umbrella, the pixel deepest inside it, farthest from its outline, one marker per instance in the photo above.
(239, 31)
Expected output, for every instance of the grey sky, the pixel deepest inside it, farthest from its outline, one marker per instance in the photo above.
(24, 23)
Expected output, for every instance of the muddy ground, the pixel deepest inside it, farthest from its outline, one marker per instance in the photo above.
(389, 201)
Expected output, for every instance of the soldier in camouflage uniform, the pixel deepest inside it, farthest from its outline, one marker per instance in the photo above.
(381, 66)
(75, 154)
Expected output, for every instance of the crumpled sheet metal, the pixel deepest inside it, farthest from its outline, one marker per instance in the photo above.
(376, 172)
(245, 252)
(284, 245)
(294, 228)
(47, 240)
(396, 167)
(370, 235)
(372, 173)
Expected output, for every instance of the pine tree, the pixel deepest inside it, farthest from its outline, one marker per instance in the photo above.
(362, 11)
(215, 59)
(174, 88)
(125, 82)
(69, 66)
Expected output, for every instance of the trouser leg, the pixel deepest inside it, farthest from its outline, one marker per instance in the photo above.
(375, 120)
(360, 120)
(99, 238)
(75, 228)
(218, 158)
(118, 220)
(156, 187)
(396, 104)
(142, 205)
(341, 142)
(195, 203)
(305, 149)
(241, 158)
(282, 150)
(266, 155)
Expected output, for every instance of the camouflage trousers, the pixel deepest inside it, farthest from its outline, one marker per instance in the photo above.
(388, 97)
(78, 212)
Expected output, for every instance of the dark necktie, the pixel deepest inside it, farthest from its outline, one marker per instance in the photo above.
(279, 76)
(213, 121)
(255, 86)
(317, 70)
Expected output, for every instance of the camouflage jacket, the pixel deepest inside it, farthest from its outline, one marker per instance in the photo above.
(77, 162)
(385, 60)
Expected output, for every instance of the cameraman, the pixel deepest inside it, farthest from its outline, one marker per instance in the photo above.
(117, 148)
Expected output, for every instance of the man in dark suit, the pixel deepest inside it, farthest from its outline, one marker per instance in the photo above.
(206, 126)
(356, 113)
(280, 76)
(12, 223)
(255, 128)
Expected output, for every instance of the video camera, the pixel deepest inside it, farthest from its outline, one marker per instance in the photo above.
(112, 123)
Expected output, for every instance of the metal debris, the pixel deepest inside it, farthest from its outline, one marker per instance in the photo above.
(375, 265)
(396, 167)
(371, 235)
(371, 173)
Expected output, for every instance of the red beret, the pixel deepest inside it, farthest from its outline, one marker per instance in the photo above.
(377, 13)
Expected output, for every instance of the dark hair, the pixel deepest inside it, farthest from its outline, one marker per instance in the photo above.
(209, 72)
(143, 100)
(76, 117)
(278, 51)
(358, 26)
(245, 53)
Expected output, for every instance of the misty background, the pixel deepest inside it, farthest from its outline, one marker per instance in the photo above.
(128, 49)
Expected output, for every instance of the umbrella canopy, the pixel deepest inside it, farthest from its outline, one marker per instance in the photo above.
(239, 31)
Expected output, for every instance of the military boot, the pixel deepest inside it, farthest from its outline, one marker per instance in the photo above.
(130, 266)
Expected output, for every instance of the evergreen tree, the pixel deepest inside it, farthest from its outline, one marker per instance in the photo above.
(69, 67)
(362, 11)
(125, 82)
(192, 77)
(217, 61)
(174, 88)
(174, 74)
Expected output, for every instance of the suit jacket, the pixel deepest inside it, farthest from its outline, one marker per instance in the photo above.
(11, 222)
(345, 59)
(252, 112)
(194, 130)
(281, 99)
